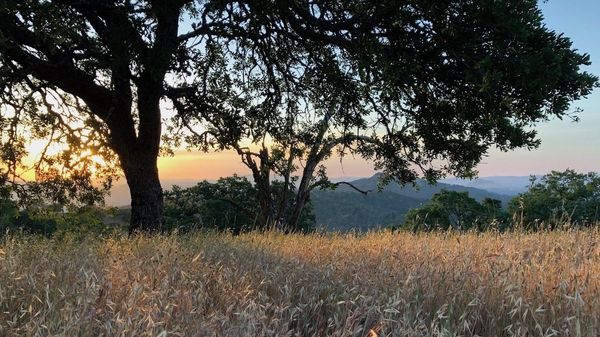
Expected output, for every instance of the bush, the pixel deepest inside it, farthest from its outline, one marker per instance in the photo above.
(557, 199)
(456, 210)
(229, 204)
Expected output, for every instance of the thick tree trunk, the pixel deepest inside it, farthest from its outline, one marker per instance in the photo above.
(284, 201)
(265, 199)
(146, 197)
(262, 180)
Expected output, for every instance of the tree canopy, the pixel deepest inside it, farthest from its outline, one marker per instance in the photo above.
(415, 86)
(455, 210)
(230, 203)
(558, 199)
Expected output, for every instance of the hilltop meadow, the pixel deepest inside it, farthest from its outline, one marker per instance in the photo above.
(269, 284)
(276, 97)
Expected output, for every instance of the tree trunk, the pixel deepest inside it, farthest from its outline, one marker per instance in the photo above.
(294, 220)
(284, 196)
(146, 197)
(262, 181)
(317, 152)
(303, 194)
(265, 199)
(266, 213)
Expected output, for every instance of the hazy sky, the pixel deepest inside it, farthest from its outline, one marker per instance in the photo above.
(564, 144)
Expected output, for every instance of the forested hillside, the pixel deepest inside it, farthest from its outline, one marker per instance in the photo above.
(344, 208)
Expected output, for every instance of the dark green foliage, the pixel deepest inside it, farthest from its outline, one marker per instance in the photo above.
(90, 220)
(229, 204)
(427, 217)
(492, 209)
(54, 205)
(456, 210)
(419, 88)
(52, 220)
(10, 217)
(8, 209)
(558, 199)
(31, 224)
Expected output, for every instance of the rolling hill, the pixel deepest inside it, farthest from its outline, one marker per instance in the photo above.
(345, 209)
(508, 185)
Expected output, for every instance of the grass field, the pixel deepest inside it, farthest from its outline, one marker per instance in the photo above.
(380, 284)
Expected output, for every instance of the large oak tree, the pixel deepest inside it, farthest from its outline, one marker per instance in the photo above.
(94, 77)
(109, 59)
(417, 87)
(406, 83)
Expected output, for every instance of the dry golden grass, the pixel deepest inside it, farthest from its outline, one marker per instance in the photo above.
(380, 284)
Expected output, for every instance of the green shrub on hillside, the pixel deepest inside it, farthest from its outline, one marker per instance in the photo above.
(557, 199)
(456, 210)
(48, 219)
(231, 203)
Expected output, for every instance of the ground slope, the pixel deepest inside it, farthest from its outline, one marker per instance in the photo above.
(437, 284)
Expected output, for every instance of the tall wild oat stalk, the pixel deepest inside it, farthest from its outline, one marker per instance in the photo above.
(269, 284)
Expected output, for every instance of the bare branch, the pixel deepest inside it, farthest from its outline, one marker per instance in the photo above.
(352, 186)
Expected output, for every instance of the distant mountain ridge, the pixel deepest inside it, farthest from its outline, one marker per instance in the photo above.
(424, 190)
(507, 185)
(344, 208)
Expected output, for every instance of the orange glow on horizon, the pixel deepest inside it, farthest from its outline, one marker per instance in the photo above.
(554, 154)
(197, 165)
(213, 165)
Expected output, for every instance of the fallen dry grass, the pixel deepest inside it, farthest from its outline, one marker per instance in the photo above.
(441, 284)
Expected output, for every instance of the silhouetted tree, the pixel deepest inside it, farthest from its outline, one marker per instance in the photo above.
(402, 83)
(413, 86)
(231, 203)
(92, 74)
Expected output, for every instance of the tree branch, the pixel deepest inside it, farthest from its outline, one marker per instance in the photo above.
(58, 71)
(352, 186)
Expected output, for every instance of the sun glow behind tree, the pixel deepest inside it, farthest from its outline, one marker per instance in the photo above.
(446, 81)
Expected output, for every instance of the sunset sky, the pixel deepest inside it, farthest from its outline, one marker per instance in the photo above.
(564, 144)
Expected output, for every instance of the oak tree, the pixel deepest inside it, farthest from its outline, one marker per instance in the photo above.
(94, 71)
(95, 77)
(417, 87)
(412, 85)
